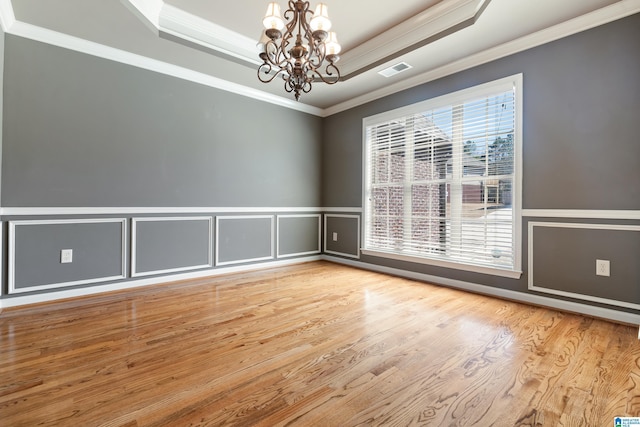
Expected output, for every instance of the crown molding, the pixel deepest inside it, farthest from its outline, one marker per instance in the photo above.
(7, 18)
(148, 11)
(585, 22)
(431, 24)
(193, 29)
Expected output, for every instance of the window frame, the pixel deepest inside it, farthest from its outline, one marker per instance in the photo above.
(513, 82)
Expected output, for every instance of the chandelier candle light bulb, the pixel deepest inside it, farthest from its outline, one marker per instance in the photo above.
(273, 18)
(320, 20)
(332, 46)
(299, 50)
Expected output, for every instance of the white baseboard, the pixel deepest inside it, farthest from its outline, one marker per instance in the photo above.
(570, 306)
(92, 290)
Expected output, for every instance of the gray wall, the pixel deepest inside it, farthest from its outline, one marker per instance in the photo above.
(84, 131)
(581, 107)
(81, 131)
(581, 148)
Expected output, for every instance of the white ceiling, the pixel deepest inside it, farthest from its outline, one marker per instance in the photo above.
(218, 38)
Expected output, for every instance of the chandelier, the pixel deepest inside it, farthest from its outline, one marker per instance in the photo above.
(305, 53)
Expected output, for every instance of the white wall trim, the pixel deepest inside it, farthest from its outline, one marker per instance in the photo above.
(340, 210)
(357, 217)
(80, 292)
(135, 273)
(492, 271)
(12, 254)
(133, 210)
(539, 288)
(431, 22)
(7, 17)
(316, 251)
(148, 11)
(618, 10)
(582, 213)
(136, 210)
(570, 306)
(55, 38)
(240, 261)
(194, 29)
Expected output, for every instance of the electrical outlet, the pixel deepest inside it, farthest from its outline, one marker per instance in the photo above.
(603, 268)
(335, 236)
(66, 256)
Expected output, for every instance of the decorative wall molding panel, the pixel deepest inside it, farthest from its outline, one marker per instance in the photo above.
(337, 229)
(244, 238)
(98, 253)
(153, 245)
(171, 245)
(308, 234)
(566, 266)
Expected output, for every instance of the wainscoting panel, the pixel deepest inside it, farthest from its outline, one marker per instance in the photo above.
(342, 235)
(170, 244)
(298, 235)
(34, 261)
(117, 248)
(562, 261)
(244, 238)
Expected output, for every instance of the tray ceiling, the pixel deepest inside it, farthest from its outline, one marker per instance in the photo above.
(214, 42)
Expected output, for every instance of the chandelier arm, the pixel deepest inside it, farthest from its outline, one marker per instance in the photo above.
(317, 56)
(266, 69)
(331, 74)
(275, 56)
(331, 69)
(291, 15)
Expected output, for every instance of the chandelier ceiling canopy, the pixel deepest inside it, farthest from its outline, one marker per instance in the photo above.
(300, 50)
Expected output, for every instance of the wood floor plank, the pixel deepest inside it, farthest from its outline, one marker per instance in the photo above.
(315, 344)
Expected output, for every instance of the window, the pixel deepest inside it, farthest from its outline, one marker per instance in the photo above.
(442, 180)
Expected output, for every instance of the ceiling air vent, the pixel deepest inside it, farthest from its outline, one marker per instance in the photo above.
(395, 69)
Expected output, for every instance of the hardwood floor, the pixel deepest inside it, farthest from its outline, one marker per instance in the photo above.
(315, 344)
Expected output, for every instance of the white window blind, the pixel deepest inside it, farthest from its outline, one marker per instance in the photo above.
(442, 179)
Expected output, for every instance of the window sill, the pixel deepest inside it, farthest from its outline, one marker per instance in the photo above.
(493, 271)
